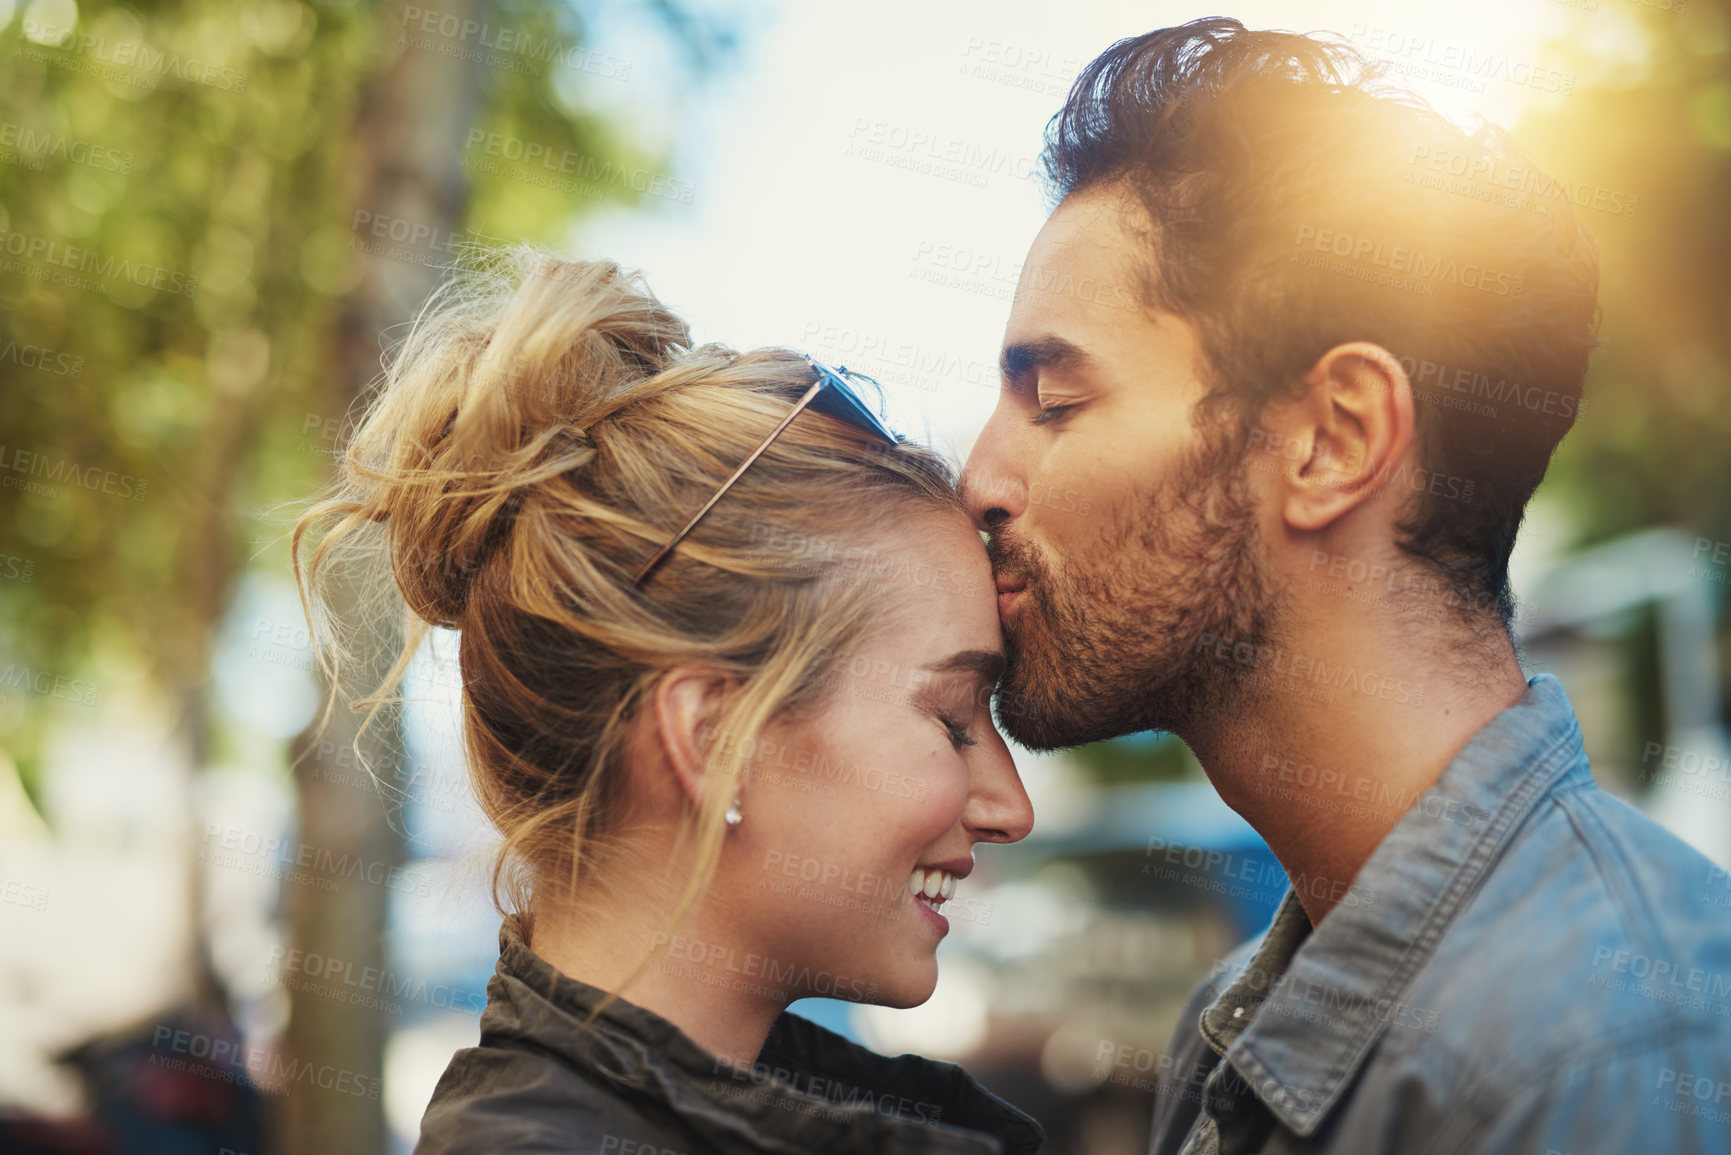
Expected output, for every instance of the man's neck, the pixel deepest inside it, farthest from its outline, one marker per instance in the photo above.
(1341, 735)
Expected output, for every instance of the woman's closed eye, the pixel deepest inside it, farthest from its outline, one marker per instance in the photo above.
(959, 736)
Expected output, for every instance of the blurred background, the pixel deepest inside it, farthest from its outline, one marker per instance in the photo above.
(214, 213)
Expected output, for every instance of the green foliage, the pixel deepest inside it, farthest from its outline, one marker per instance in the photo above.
(1655, 125)
(1138, 758)
(176, 187)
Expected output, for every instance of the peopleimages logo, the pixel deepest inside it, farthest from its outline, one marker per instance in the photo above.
(48, 684)
(94, 477)
(772, 974)
(1472, 383)
(121, 61)
(522, 50)
(1664, 976)
(264, 1067)
(53, 146)
(374, 987)
(1503, 175)
(835, 1093)
(59, 255)
(1272, 661)
(42, 360)
(1401, 259)
(582, 167)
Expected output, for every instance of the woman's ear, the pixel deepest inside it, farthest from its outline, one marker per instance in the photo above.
(684, 704)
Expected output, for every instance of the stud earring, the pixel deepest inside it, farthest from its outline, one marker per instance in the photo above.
(733, 817)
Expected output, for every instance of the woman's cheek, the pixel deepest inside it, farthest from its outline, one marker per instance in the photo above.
(940, 791)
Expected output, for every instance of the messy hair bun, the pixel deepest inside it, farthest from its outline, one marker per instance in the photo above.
(492, 395)
(543, 430)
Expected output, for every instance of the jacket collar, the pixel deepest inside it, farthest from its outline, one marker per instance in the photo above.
(810, 1090)
(1314, 1002)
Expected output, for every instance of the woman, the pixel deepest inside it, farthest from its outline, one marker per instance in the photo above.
(743, 770)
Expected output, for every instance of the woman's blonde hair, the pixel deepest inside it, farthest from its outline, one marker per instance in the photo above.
(543, 429)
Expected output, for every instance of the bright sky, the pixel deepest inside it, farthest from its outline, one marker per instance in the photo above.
(862, 175)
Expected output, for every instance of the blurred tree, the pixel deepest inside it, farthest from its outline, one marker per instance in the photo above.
(1643, 148)
(1147, 757)
(404, 172)
(211, 213)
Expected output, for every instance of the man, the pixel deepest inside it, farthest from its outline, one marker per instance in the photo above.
(1304, 394)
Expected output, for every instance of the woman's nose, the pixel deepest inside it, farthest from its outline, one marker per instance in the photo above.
(998, 809)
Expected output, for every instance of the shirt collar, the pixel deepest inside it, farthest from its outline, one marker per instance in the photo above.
(811, 1089)
(1225, 1019)
(1337, 988)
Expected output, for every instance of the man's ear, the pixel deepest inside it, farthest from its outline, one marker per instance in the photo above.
(1341, 441)
(683, 705)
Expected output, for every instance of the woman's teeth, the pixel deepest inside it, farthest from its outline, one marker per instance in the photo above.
(935, 887)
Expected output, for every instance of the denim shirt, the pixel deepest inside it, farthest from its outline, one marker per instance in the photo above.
(1534, 967)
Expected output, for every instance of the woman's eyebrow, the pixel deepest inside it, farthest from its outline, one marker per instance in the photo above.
(988, 663)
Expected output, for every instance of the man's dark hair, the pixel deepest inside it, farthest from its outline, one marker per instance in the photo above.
(1297, 201)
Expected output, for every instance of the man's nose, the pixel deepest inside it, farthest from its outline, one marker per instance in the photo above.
(992, 487)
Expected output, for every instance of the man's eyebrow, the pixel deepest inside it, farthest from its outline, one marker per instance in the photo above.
(989, 663)
(1020, 359)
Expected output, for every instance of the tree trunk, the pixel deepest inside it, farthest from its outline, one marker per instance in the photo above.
(406, 148)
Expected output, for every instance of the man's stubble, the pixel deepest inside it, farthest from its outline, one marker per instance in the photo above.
(1109, 640)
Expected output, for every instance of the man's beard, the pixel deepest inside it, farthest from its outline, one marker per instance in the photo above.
(1120, 638)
